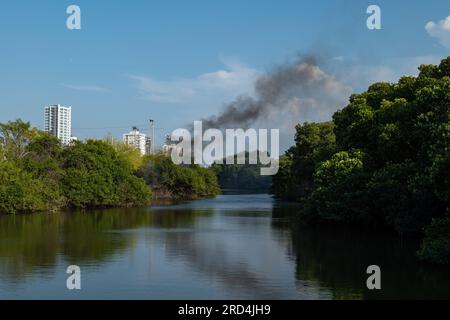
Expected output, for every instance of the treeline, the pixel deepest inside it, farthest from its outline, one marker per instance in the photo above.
(241, 178)
(170, 181)
(383, 162)
(37, 173)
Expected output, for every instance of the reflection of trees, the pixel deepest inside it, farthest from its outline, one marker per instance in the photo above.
(337, 258)
(175, 218)
(90, 238)
(245, 251)
(30, 243)
(331, 260)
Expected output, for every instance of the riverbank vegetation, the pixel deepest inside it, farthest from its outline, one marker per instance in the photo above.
(241, 178)
(171, 181)
(38, 174)
(383, 162)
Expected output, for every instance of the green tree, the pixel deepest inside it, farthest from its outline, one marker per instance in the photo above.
(392, 163)
(130, 153)
(19, 191)
(242, 177)
(96, 175)
(338, 196)
(178, 182)
(14, 137)
(436, 245)
(314, 143)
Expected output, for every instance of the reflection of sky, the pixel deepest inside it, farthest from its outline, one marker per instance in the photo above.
(238, 255)
(228, 251)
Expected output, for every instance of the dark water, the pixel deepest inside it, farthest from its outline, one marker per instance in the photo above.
(230, 247)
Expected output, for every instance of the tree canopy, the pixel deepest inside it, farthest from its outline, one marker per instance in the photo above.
(37, 173)
(242, 178)
(169, 180)
(384, 161)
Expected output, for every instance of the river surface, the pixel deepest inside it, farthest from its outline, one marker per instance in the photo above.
(229, 247)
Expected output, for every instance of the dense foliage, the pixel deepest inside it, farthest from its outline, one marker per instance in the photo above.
(97, 175)
(383, 162)
(38, 174)
(168, 180)
(314, 143)
(436, 245)
(241, 177)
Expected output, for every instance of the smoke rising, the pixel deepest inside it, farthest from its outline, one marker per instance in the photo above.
(298, 91)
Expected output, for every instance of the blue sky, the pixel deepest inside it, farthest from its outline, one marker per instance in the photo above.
(179, 61)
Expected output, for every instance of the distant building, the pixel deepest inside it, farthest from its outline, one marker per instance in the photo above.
(148, 145)
(58, 122)
(73, 140)
(136, 139)
(169, 145)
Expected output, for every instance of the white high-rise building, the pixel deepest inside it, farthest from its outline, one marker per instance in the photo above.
(136, 139)
(58, 122)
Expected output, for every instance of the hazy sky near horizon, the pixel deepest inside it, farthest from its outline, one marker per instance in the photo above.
(180, 61)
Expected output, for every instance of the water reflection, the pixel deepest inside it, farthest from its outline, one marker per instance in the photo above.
(229, 247)
(337, 257)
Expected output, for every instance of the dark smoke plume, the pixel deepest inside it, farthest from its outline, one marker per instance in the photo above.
(300, 89)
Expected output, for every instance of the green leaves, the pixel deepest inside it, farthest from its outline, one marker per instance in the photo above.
(390, 164)
(436, 245)
(178, 182)
(339, 168)
(19, 191)
(14, 137)
(38, 174)
(97, 176)
(242, 177)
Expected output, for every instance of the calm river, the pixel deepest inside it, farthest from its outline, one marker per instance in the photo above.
(229, 247)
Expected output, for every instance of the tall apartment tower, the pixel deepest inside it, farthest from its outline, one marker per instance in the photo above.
(136, 139)
(58, 122)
